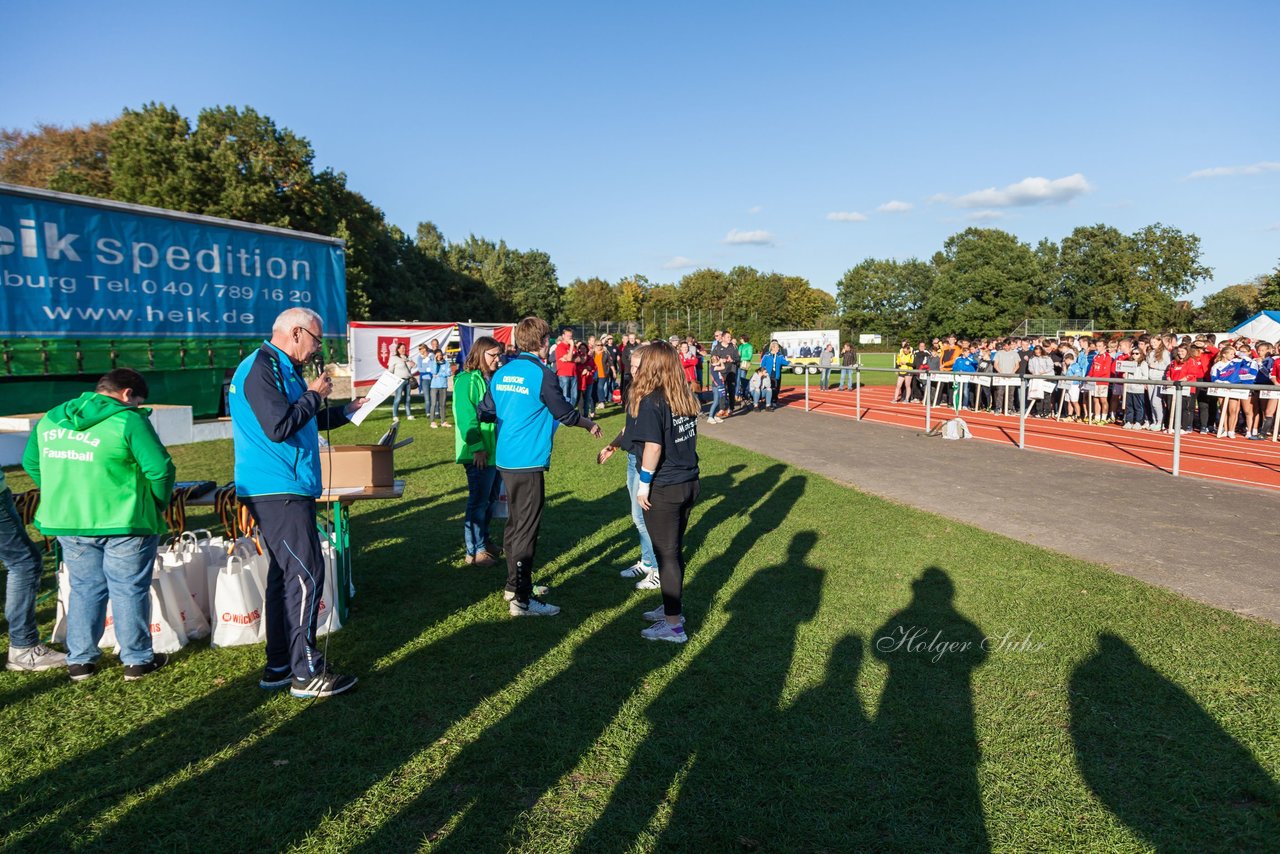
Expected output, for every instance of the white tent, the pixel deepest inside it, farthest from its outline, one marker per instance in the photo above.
(1263, 326)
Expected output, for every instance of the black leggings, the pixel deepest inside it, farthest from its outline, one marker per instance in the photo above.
(667, 518)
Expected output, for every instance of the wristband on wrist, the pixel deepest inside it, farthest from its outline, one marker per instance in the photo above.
(646, 476)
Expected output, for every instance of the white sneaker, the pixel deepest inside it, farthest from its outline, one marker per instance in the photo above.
(538, 590)
(410, 417)
(535, 608)
(435, 426)
(658, 613)
(637, 570)
(35, 658)
(662, 630)
(651, 581)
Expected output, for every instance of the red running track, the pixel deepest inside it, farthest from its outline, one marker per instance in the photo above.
(1237, 461)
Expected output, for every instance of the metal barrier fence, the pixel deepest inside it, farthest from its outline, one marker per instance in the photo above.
(935, 379)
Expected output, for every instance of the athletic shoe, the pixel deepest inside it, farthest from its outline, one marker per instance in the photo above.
(275, 679)
(483, 559)
(35, 658)
(535, 608)
(651, 581)
(410, 417)
(538, 590)
(714, 420)
(435, 426)
(637, 569)
(81, 672)
(1256, 438)
(664, 631)
(134, 672)
(658, 613)
(445, 424)
(468, 559)
(323, 684)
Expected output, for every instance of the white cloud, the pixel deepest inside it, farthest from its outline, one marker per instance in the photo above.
(984, 216)
(846, 216)
(895, 206)
(755, 209)
(1251, 169)
(679, 263)
(1028, 191)
(759, 237)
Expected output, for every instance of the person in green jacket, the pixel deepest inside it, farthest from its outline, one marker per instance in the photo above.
(105, 480)
(475, 443)
(745, 354)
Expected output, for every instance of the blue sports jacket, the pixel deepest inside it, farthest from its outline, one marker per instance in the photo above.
(275, 427)
(525, 401)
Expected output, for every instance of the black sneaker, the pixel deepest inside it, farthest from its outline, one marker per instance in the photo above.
(273, 679)
(134, 672)
(321, 685)
(81, 672)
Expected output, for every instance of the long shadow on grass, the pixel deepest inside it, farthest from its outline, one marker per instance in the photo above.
(273, 792)
(497, 779)
(396, 606)
(1162, 764)
(928, 796)
(715, 767)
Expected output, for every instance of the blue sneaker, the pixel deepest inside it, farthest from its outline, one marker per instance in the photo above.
(273, 679)
(662, 630)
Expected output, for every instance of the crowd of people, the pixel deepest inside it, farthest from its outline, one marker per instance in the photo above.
(1100, 381)
(106, 479)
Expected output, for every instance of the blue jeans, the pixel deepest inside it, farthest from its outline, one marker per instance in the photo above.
(587, 399)
(1135, 408)
(744, 380)
(121, 567)
(717, 395)
(767, 394)
(482, 489)
(402, 395)
(22, 560)
(647, 556)
(825, 385)
(569, 388)
(846, 379)
(603, 392)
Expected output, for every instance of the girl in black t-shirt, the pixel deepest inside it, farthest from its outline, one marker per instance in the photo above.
(662, 427)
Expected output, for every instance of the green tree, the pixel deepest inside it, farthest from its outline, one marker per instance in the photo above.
(1228, 307)
(630, 294)
(1097, 269)
(590, 299)
(1269, 298)
(71, 160)
(884, 296)
(983, 285)
(1167, 266)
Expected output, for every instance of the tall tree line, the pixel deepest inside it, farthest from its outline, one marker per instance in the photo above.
(238, 164)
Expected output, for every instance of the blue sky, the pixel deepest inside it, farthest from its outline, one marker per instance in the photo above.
(653, 139)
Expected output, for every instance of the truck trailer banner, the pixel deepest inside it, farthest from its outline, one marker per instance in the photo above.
(805, 343)
(75, 266)
(371, 345)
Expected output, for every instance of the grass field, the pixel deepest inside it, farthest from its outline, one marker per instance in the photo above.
(860, 676)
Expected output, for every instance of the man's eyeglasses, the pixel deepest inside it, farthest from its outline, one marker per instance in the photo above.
(319, 342)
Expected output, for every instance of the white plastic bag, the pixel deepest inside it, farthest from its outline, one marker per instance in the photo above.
(167, 633)
(498, 507)
(196, 568)
(64, 596)
(328, 619)
(238, 604)
(179, 603)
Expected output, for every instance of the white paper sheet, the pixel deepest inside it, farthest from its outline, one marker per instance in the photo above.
(382, 389)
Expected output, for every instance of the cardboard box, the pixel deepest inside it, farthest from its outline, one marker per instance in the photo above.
(346, 466)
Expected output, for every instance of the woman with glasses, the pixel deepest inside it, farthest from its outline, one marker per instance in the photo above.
(474, 443)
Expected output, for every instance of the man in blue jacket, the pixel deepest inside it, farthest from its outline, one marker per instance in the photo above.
(276, 418)
(524, 399)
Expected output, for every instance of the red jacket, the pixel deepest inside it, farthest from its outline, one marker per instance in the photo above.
(1189, 371)
(1102, 365)
(690, 366)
